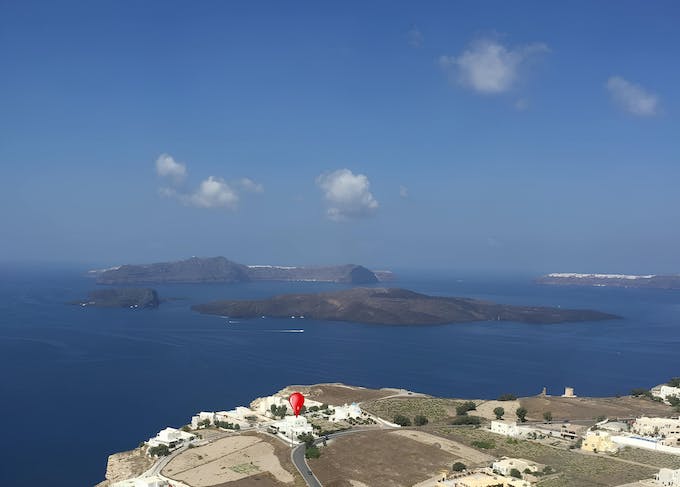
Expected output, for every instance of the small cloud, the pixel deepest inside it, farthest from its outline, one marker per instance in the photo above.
(250, 185)
(489, 67)
(348, 195)
(167, 167)
(212, 193)
(415, 37)
(522, 104)
(403, 191)
(632, 98)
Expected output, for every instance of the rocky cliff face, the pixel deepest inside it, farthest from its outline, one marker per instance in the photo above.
(126, 465)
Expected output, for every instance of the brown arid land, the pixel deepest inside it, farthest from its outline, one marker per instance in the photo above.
(233, 460)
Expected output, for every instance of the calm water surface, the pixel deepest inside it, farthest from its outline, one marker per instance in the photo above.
(77, 384)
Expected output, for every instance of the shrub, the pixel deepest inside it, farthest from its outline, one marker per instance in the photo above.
(458, 467)
(507, 397)
(515, 473)
(307, 439)
(499, 412)
(547, 416)
(420, 420)
(463, 420)
(641, 392)
(402, 420)
(159, 451)
(484, 444)
(312, 452)
(674, 382)
(463, 408)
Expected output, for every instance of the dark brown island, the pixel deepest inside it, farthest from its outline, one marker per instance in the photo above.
(393, 306)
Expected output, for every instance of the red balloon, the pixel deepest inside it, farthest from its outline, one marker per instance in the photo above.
(296, 401)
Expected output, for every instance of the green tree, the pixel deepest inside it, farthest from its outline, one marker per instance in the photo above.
(521, 413)
(464, 407)
(402, 420)
(673, 400)
(307, 439)
(312, 452)
(458, 467)
(515, 473)
(641, 392)
(420, 420)
(499, 412)
(547, 416)
(507, 397)
(159, 451)
(674, 382)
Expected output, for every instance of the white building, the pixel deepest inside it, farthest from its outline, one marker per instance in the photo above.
(599, 441)
(291, 427)
(506, 428)
(666, 391)
(171, 438)
(345, 412)
(201, 417)
(668, 477)
(657, 427)
(505, 465)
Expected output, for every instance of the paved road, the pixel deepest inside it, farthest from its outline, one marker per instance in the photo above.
(298, 455)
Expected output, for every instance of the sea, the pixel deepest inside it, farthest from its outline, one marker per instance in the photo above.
(80, 383)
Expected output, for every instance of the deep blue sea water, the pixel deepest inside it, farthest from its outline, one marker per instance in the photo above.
(77, 384)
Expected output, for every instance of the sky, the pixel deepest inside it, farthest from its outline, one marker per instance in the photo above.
(530, 136)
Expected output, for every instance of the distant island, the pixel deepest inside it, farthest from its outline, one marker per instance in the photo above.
(612, 280)
(220, 269)
(129, 297)
(393, 306)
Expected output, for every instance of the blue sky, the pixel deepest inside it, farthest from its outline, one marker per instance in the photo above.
(466, 135)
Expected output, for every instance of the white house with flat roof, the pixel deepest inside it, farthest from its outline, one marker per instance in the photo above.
(666, 391)
(506, 428)
(341, 413)
(668, 477)
(657, 427)
(505, 465)
(291, 427)
(201, 417)
(171, 438)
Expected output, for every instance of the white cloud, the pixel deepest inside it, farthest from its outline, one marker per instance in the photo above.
(213, 192)
(632, 98)
(403, 191)
(167, 167)
(250, 185)
(348, 195)
(489, 67)
(415, 37)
